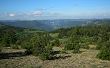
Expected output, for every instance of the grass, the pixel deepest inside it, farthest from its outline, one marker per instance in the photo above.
(54, 35)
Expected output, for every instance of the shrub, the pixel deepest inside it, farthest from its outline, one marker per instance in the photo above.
(45, 56)
(28, 47)
(55, 42)
(41, 47)
(69, 46)
(104, 53)
(73, 46)
(99, 45)
(76, 49)
(38, 49)
(47, 53)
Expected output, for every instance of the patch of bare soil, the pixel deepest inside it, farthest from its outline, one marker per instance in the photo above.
(21, 62)
(85, 59)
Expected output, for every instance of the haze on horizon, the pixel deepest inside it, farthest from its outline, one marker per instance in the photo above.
(53, 9)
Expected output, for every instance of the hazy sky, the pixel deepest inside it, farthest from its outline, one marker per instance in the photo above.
(53, 9)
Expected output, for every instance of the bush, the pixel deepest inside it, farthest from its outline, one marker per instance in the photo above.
(104, 53)
(73, 46)
(55, 42)
(47, 53)
(28, 47)
(38, 49)
(76, 49)
(45, 56)
(69, 46)
(99, 45)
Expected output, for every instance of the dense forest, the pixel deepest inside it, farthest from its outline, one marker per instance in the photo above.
(41, 43)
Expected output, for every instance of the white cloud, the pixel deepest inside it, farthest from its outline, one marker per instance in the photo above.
(11, 15)
(37, 13)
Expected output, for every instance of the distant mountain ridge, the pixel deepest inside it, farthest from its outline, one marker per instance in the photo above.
(49, 25)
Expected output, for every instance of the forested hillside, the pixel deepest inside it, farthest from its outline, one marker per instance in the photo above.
(50, 25)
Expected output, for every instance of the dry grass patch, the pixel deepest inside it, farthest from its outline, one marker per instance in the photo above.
(85, 59)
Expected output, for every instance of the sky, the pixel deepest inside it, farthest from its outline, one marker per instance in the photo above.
(53, 9)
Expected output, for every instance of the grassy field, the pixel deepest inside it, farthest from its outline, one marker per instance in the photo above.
(85, 59)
